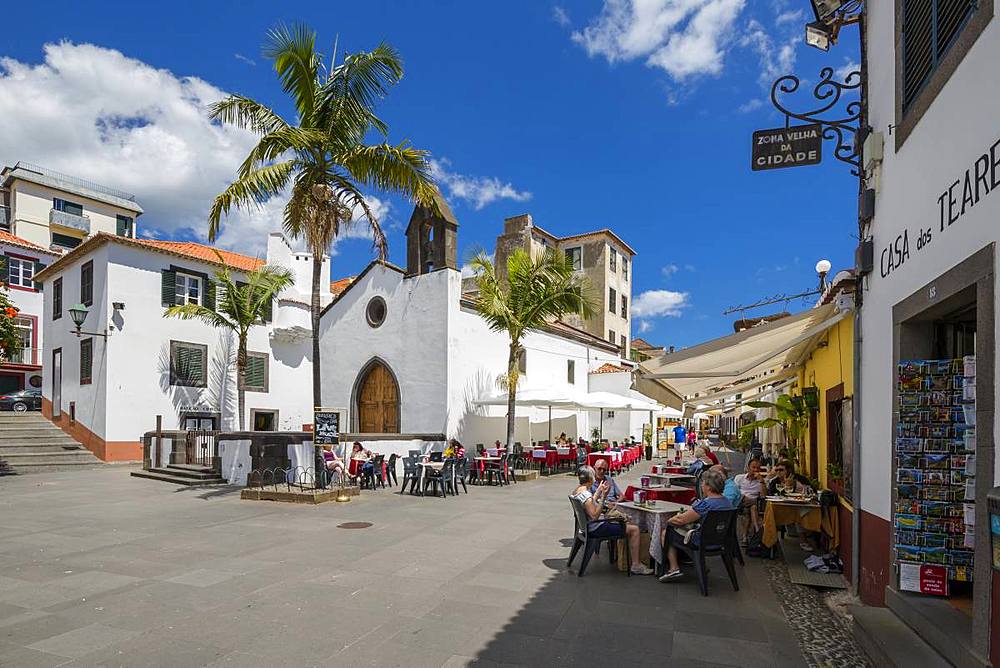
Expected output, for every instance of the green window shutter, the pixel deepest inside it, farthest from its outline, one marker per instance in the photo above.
(168, 287)
(210, 288)
(86, 361)
(256, 373)
(188, 365)
(38, 268)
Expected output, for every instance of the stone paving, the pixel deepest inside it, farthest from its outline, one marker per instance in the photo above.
(101, 569)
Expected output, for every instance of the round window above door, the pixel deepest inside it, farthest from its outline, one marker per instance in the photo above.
(375, 311)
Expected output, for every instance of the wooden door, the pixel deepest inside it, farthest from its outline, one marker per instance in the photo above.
(378, 402)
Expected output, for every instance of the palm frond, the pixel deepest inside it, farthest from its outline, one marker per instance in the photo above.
(246, 113)
(349, 195)
(199, 312)
(250, 190)
(285, 140)
(293, 51)
(398, 169)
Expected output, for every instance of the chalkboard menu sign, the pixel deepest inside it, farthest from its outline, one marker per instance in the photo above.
(326, 427)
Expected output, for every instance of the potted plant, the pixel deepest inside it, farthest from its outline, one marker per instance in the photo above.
(835, 476)
(792, 415)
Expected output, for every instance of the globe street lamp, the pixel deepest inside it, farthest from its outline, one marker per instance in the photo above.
(822, 269)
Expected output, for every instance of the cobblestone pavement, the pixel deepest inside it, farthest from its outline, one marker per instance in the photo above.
(824, 637)
(101, 569)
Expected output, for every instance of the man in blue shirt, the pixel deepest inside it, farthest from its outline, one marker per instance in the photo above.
(713, 483)
(601, 474)
(680, 435)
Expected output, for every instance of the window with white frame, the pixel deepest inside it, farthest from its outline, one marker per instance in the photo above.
(613, 258)
(188, 289)
(20, 271)
(26, 332)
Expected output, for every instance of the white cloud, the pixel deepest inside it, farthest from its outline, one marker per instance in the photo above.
(776, 58)
(684, 38)
(750, 105)
(841, 73)
(97, 114)
(670, 270)
(644, 326)
(100, 115)
(560, 16)
(659, 303)
(477, 190)
(794, 17)
(248, 61)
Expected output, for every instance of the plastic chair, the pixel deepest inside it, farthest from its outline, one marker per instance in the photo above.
(390, 470)
(461, 474)
(715, 537)
(590, 545)
(411, 474)
(439, 478)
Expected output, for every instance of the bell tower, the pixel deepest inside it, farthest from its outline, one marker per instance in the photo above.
(431, 239)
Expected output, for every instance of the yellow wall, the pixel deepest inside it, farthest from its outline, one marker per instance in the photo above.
(829, 366)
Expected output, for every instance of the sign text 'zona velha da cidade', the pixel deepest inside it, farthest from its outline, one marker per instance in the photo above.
(795, 146)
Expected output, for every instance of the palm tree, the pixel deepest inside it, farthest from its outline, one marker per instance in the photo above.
(322, 156)
(239, 307)
(790, 413)
(536, 290)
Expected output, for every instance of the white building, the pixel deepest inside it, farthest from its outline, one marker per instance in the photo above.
(56, 210)
(933, 163)
(106, 392)
(21, 261)
(406, 356)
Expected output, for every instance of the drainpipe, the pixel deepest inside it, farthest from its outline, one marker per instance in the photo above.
(858, 300)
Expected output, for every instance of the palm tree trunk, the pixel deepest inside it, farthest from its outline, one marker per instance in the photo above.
(511, 395)
(315, 307)
(241, 377)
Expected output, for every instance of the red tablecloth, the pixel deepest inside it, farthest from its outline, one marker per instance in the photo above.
(594, 456)
(568, 457)
(550, 459)
(683, 496)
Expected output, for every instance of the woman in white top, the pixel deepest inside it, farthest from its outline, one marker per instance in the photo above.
(752, 487)
(593, 505)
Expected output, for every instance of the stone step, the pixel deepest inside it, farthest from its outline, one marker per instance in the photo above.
(31, 434)
(46, 437)
(163, 476)
(888, 641)
(30, 448)
(183, 471)
(30, 458)
(6, 417)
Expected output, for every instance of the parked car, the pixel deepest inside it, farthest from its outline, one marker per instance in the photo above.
(21, 401)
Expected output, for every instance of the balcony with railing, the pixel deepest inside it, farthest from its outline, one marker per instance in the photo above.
(72, 220)
(25, 357)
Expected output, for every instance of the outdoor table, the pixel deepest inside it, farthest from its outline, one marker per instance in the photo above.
(547, 458)
(437, 466)
(566, 454)
(808, 515)
(594, 456)
(672, 477)
(652, 520)
(664, 493)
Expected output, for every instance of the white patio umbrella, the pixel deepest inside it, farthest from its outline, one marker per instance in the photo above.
(534, 398)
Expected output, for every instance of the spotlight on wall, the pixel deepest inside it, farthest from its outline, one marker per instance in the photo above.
(818, 35)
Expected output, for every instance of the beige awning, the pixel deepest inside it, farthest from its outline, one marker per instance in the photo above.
(745, 359)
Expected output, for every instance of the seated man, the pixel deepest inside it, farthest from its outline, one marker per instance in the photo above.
(601, 476)
(731, 491)
(712, 484)
(593, 505)
(752, 487)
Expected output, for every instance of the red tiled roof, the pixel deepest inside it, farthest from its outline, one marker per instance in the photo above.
(610, 368)
(338, 286)
(643, 344)
(8, 238)
(205, 253)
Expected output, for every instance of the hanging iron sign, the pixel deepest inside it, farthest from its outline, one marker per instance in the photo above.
(795, 146)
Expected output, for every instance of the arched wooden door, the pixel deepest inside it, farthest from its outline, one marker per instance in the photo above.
(378, 401)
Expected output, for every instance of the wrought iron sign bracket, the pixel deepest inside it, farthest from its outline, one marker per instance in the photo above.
(842, 126)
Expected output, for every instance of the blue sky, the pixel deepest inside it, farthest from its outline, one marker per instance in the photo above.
(588, 114)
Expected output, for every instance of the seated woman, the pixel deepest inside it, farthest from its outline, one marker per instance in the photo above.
(752, 487)
(712, 484)
(784, 480)
(361, 459)
(593, 505)
(701, 461)
(333, 463)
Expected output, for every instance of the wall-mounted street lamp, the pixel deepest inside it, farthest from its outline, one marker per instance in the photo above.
(78, 313)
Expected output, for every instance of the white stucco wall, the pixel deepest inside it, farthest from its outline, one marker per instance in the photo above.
(28, 301)
(958, 127)
(131, 369)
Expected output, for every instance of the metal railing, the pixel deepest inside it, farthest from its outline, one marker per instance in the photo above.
(77, 222)
(75, 180)
(25, 356)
